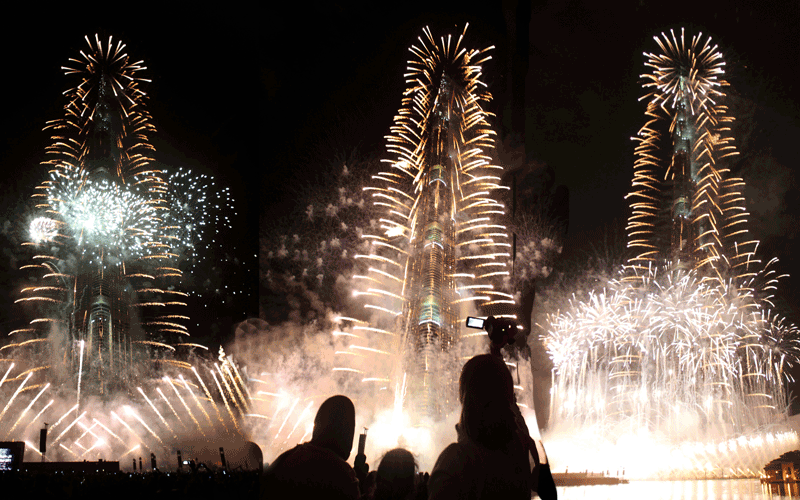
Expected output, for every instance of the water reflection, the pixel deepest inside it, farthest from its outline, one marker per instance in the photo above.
(721, 489)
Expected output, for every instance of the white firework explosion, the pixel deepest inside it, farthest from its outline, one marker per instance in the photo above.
(103, 214)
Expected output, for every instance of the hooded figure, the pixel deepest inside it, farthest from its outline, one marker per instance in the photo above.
(335, 426)
(317, 469)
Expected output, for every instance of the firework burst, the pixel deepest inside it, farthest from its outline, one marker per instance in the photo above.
(106, 244)
(440, 248)
(103, 215)
(682, 345)
(198, 214)
(696, 213)
(421, 246)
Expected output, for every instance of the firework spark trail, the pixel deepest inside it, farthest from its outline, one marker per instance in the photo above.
(286, 419)
(130, 451)
(27, 408)
(13, 396)
(188, 410)
(224, 399)
(258, 415)
(309, 430)
(57, 439)
(233, 374)
(241, 382)
(245, 406)
(80, 370)
(163, 420)
(196, 400)
(29, 445)
(171, 408)
(5, 376)
(64, 416)
(96, 444)
(299, 419)
(133, 433)
(34, 419)
(86, 430)
(130, 411)
(105, 428)
(208, 394)
(228, 388)
(278, 408)
(67, 450)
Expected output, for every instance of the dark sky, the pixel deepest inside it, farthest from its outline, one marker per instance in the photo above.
(200, 99)
(333, 81)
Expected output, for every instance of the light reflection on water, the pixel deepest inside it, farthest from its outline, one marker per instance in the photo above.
(720, 489)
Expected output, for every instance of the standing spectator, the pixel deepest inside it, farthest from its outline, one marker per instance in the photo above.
(318, 469)
(397, 477)
(491, 456)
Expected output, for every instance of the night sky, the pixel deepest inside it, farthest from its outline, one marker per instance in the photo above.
(200, 99)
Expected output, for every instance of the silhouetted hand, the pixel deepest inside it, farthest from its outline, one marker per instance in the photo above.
(361, 467)
(422, 486)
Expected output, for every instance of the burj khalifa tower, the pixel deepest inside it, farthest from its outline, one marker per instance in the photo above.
(440, 250)
(103, 292)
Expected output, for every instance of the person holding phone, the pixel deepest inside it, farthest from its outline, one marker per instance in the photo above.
(490, 458)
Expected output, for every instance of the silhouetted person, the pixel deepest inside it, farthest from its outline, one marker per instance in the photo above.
(491, 457)
(397, 477)
(318, 469)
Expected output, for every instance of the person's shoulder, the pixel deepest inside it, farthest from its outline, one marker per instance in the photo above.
(451, 476)
(454, 456)
(453, 448)
(282, 458)
(310, 471)
(323, 454)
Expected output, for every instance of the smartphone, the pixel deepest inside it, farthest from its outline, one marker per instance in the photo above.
(362, 441)
(475, 322)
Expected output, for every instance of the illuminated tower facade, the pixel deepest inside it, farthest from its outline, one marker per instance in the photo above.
(102, 274)
(682, 345)
(430, 315)
(685, 207)
(439, 250)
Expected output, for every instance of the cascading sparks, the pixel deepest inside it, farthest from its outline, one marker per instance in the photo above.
(108, 237)
(684, 205)
(439, 246)
(682, 346)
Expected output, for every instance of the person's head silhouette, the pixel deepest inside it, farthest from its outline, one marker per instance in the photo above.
(335, 426)
(396, 476)
(486, 391)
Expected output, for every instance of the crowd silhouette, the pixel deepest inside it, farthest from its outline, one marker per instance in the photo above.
(493, 457)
